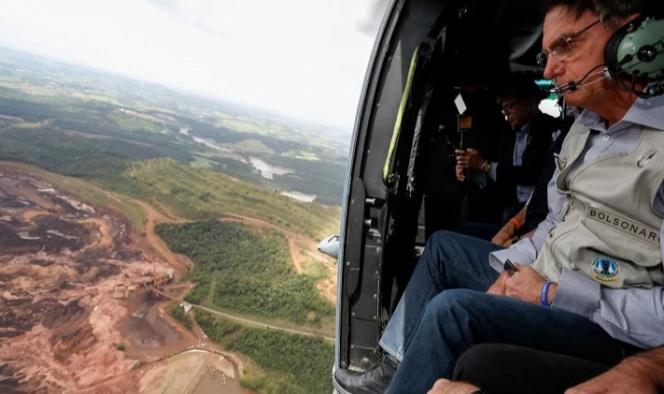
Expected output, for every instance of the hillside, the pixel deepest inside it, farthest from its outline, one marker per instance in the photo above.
(245, 271)
(82, 122)
(201, 194)
(242, 196)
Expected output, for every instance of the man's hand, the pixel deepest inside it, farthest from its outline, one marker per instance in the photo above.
(508, 231)
(504, 236)
(444, 386)
(525, 284)
(498, 287)
(626, 377)
(460, 173)
(469, 159)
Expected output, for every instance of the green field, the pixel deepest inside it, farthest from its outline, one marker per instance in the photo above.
(248, 272)
(91, 124)
(200, 194)
(285, 363)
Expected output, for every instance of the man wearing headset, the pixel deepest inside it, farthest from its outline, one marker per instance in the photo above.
(589, 283)
(506, 368)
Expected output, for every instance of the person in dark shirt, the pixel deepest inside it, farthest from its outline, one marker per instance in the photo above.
(537, 207)
(508, 182)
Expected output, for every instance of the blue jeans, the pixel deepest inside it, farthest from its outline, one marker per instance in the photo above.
(445, 310)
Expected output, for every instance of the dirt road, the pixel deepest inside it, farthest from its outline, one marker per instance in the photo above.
(251, 322)
(181, 263)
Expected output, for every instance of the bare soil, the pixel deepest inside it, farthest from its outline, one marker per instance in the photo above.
(77, 313)
(77, 308)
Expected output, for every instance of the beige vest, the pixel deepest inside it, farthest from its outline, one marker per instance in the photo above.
(609, 230)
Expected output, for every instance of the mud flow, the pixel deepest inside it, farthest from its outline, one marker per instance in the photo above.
(77, 307)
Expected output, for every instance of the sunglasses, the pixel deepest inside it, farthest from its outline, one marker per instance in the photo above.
(563, 47)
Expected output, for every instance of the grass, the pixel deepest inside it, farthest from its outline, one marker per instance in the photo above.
(202, 162)
(130, 121)
(199, 193)
(302, 154)
(250, 145)
(241, 125)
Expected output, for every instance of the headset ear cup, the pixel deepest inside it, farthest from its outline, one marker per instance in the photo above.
(634, 59)
(611, 49)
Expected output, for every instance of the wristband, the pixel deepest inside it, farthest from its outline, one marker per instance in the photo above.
(544, 293)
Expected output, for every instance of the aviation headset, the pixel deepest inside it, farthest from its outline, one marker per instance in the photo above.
(633, 55)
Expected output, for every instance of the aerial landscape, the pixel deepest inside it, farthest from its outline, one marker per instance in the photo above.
(155, 241)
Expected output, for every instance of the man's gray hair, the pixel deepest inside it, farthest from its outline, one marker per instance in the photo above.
(608, 10)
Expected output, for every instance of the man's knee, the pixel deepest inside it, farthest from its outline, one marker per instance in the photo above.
(452, 303)
(443, 244)
(443, 237)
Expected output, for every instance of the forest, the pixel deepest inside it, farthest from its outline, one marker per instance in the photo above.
(246, 271)
(286, 363)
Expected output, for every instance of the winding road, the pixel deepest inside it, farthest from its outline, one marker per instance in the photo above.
(249, 322)
(153, 215)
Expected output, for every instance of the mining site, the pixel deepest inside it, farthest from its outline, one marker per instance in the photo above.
(78, 306)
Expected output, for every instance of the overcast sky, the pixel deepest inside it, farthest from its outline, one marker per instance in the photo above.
(301, 58)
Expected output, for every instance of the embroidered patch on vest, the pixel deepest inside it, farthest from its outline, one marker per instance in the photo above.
(605, 269)
(623, 225)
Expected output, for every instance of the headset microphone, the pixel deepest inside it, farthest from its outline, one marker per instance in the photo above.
(574, 85)
(563, 90)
